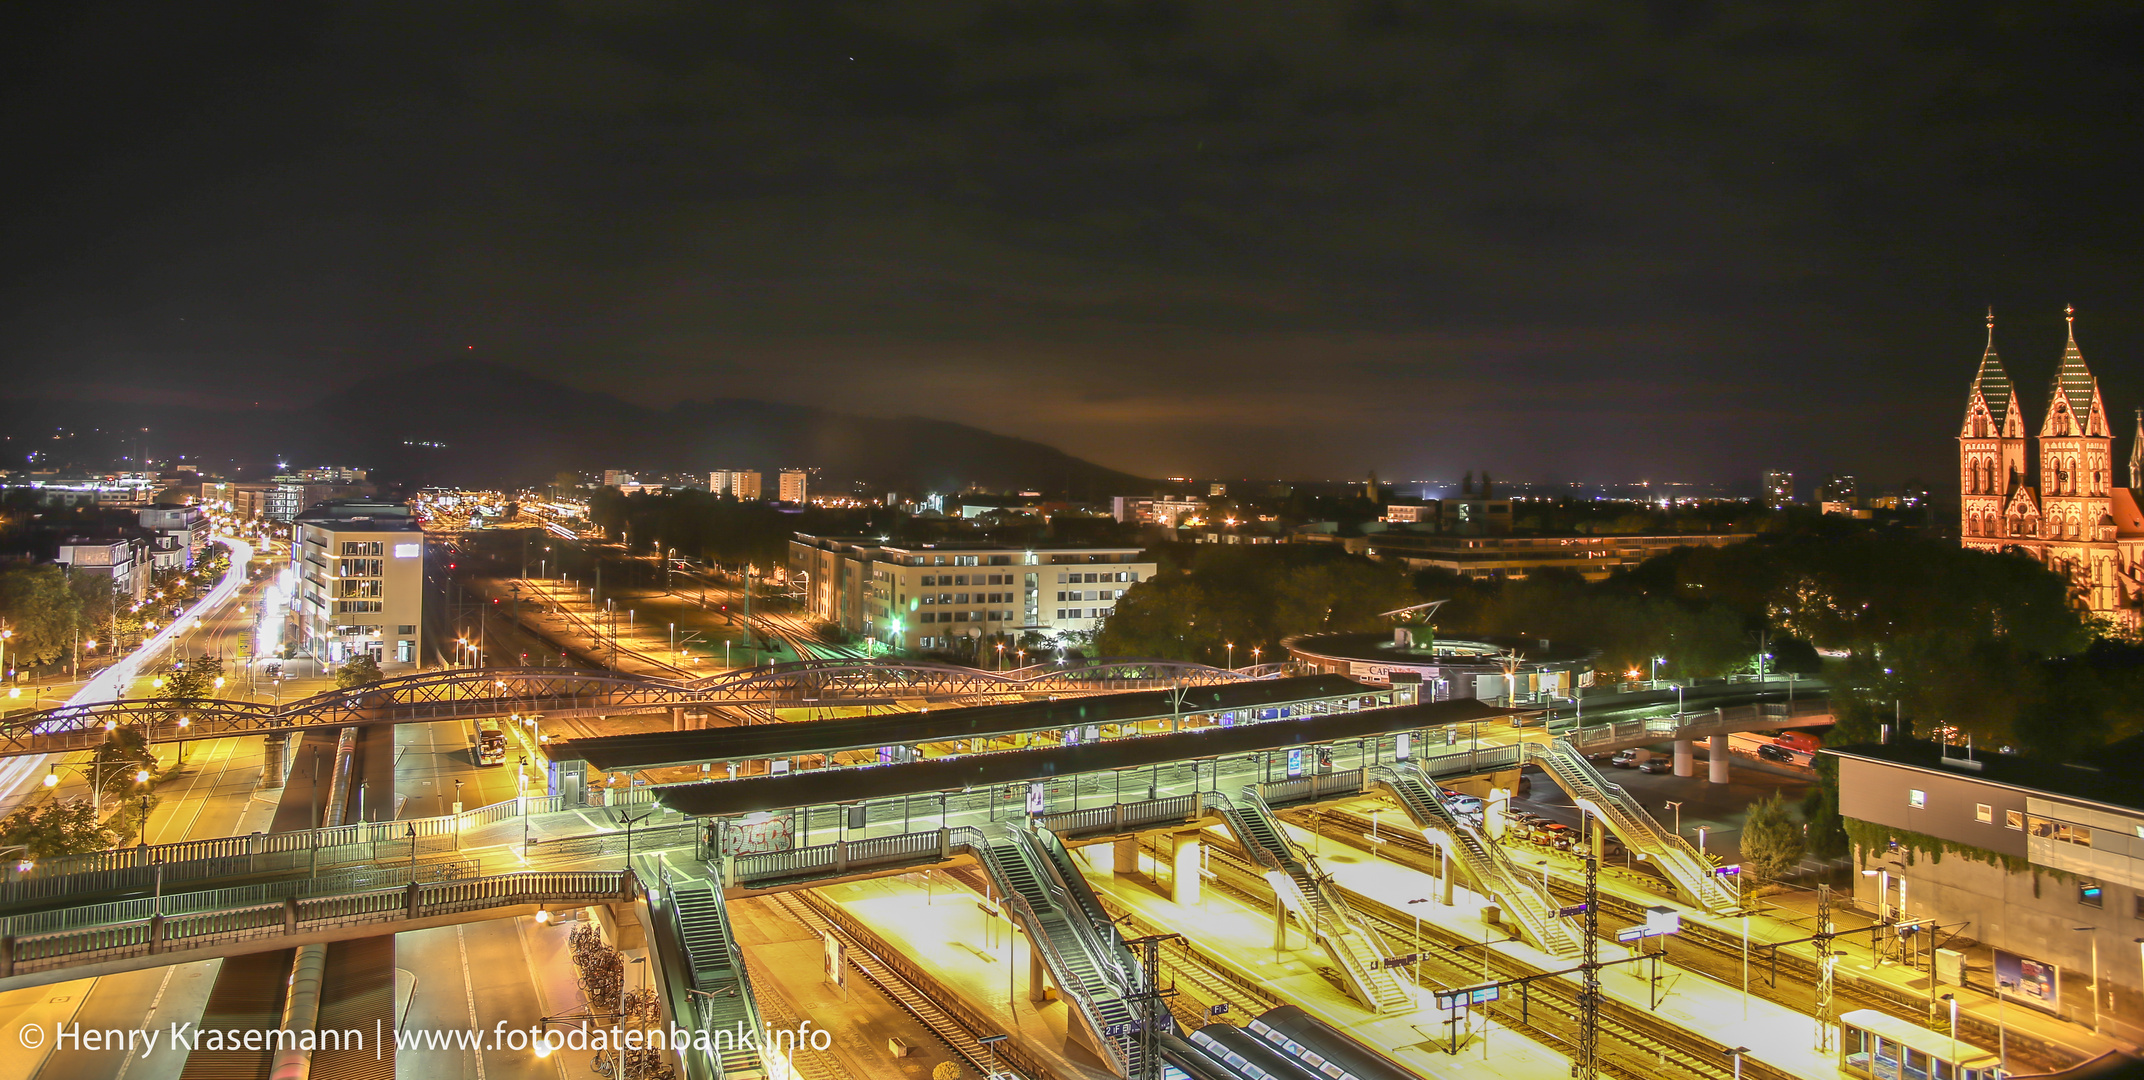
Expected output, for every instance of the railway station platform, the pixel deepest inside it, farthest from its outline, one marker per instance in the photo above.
(1789, 918)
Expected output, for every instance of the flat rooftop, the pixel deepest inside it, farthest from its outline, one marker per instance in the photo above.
(2110, 778)
(655, 749)
(784, 790)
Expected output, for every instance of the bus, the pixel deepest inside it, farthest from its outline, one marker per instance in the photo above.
(1882, 1047)
(490, 742)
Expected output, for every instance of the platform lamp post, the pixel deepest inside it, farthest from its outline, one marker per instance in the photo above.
(1231, 656)
(1953, 999)
(1736, 1054)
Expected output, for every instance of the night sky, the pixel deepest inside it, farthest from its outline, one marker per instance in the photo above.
(1593, 241)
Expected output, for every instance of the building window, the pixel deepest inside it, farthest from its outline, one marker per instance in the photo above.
(1916, 798)
(2014, 819)
(2090, 894)
(1983, 812)
(406, 629)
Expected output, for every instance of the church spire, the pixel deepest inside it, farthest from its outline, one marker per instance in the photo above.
(1991, 384)
(2074, 390)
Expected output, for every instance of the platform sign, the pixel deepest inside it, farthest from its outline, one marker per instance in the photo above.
(1567, 912)
(1467, 996)
(1125, 1027)
(1218, 1010)
(1295, 762)
(837, 971)
(1401, 961)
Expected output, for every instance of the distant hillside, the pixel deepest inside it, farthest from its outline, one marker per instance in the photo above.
(495, 425)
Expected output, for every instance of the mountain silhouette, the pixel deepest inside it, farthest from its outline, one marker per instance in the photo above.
(483, 425)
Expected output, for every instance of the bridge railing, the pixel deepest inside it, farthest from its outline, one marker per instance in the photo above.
(178, 935)
(186, 903)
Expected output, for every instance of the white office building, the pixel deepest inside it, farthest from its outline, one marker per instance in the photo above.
(359, 567)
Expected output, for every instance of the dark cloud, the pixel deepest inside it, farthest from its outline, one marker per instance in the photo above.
(1599, 240)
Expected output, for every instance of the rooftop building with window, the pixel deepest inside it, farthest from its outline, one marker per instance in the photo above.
(2038, 866)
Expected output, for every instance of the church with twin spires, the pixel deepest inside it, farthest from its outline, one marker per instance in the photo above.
(2058, 505)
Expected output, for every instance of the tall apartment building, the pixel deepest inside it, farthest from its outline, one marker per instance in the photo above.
(359, 567)
(1840, 493)
(793, 486)
(925, 596)
(740, 484)
(1778, 488)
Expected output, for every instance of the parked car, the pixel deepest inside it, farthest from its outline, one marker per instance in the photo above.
(1656, 765)
(1463, 804)
(1624, 759)
(1775, 752)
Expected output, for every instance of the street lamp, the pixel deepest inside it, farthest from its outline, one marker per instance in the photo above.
(1231, 656)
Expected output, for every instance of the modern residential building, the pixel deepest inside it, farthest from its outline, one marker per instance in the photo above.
(1593, 557)
(181, 531)
(925, 596)
(359, 567)
(740, 484)
(125, 560)
(2038, 867)
(1778, 488)
(618, 477)
(794, 489)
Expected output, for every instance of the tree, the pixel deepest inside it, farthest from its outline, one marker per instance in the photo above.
(56, 828)
(357, 671)
(947, 1070)
(42, 614)
(1772, 842)
(191, 680)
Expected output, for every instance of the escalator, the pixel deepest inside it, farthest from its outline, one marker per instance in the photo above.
(1485, 863)
(718, 987)
(1083, 954)
(1306, 892)
(1690, 872)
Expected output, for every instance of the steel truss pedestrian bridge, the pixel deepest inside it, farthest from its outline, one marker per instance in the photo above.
(481, 692)
(1008, 815)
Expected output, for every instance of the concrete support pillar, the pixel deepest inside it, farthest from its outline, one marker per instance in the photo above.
(1716, 757)
(1184, 879)
(1685, 758)
(272, 761)
(1126, 855)
(301, 1011)
(1038, 975)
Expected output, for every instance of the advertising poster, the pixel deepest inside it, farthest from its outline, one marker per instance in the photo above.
(1295, 762)
(2021, 978)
